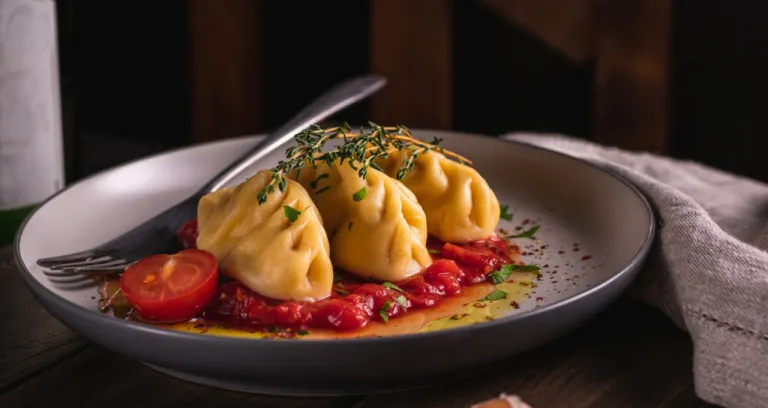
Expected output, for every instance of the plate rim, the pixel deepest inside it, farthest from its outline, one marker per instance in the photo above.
(53, 297)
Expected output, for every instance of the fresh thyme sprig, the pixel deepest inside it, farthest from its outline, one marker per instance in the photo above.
(360, 150)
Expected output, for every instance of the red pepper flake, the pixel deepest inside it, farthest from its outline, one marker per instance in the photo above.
(515, 305)
(560, 252)
(576, 249)
(539, 299)
(526, 221)
(586, 257)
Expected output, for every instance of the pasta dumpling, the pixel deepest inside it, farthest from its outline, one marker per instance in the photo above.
(377, 228)
(459, 204)
(260, 246)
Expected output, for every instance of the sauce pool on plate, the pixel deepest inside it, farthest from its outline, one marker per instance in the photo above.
(461, 287)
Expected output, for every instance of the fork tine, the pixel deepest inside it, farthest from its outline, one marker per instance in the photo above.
(98, 269)
(70, 258)
(102, 261)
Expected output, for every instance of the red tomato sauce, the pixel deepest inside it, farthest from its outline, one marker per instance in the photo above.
(354, 303)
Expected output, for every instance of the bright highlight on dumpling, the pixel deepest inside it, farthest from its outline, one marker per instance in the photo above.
(376, 227)
(459, 204)
(278, 249)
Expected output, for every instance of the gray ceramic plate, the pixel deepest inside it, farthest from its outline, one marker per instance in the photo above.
(578, 206)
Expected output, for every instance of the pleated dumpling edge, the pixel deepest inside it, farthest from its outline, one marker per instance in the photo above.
(257, 244)
(459, 204)
(377, 228)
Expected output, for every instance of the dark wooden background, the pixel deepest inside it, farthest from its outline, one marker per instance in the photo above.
(681, 77)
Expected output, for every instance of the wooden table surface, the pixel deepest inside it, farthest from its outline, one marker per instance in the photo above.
(630, 356)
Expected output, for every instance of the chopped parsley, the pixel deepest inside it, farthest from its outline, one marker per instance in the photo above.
(290, 213)
(303, 332)
(527, 233)
(495, 295)
(503, 274)
(434, 251)
(322, 190)
(383, 311)
(504, 214)
(401, 300)
(528, 268)
(359, 195)
(392, 286)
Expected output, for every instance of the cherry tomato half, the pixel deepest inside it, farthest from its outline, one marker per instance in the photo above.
(171, 288)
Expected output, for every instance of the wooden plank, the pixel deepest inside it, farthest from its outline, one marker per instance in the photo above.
(32, 339)
(225, 68)
(630, 356)
(411, 44)
(98, 377)
(563, 25)
(631, 99)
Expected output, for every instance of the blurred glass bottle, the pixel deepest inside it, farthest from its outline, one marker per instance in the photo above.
(31, 152)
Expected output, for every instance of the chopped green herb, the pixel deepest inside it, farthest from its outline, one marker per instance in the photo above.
(528, 268)
(340, 290)
(504, 214)
(528, 233)
(383, 311)
(336, 276)
(391, 285)
(349, 226)
(303, 332)
(495, 295)
(322, 190)
(290, 213)
(401, 300)
(359, 195)
(503, 274)
(434, 251)
(317, 180)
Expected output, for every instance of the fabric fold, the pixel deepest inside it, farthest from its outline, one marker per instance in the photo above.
(709, 269)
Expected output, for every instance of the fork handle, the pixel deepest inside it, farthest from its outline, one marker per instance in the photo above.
(332, 101)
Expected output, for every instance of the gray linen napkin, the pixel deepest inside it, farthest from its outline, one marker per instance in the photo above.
(709, 271)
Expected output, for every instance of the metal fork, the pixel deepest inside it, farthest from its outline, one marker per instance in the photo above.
(155, 235)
